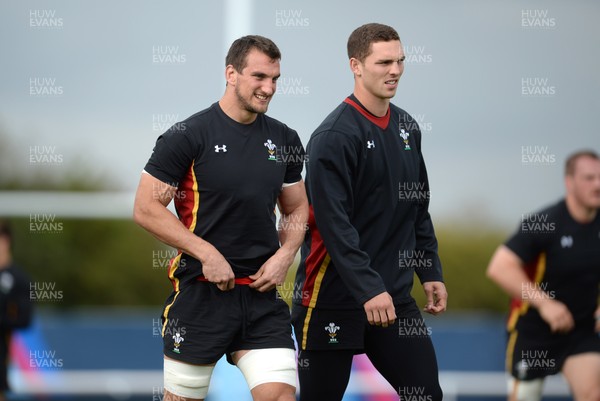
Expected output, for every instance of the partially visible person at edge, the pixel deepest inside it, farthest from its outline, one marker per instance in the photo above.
(551, 269)
(15, 305)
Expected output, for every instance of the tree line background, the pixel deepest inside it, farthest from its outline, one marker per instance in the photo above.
(113, 262)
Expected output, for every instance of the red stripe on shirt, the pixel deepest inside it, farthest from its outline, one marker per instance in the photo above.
(315, 258)
(185, 204)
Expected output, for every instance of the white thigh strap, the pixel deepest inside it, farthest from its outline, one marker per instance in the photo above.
(529, 390)
(270, 365)
(185, 380)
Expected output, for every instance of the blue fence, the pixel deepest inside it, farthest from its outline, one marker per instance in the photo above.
(116, 355)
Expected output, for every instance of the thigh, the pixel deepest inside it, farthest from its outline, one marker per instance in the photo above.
(199, 323)
(184, 381)
(328, 329)
(535, 355)
(403, 353)
(265, 322)
(324, 375)
(327, 341)
(582, 367)
(582, 372)
(270, 373)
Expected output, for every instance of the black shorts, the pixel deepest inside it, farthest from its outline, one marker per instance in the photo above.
(328, 330)
(536, 354)
(5, 336)
(201, 323)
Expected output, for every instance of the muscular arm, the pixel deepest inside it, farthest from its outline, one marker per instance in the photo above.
(506, 270)
(293, 206)
(150, 212)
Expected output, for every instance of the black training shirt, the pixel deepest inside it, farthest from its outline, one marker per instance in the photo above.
(229, 176)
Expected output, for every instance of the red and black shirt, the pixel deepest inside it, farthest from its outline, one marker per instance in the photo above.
(369, 225)
(229, 176)
(562, 258)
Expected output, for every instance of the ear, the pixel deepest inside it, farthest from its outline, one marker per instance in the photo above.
(569, 183)
(356, 67)
(230, 75)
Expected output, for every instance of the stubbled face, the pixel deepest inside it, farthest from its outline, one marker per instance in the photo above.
(255, 85)
(584, 184)
(381, 70)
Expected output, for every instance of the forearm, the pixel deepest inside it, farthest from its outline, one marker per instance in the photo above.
(155, 218)
(151, 213)
(506, 271)
(292, 229)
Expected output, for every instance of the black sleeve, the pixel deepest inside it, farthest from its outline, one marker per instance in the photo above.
(173, 155)
(16, 307)
(295, 156)
(425, 234)
(331, 165)
(525, 243)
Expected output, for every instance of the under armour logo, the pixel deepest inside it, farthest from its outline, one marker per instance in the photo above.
(220, 148)
(370, 144)
(566, 241)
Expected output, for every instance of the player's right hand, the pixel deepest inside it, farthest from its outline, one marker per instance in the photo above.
(557, 315)
(217, 270)
(380, 310)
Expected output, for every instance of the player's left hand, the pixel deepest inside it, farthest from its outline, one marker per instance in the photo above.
(437, 297)
(271, 273)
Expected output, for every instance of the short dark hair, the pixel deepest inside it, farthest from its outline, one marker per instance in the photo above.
(238, 52)
(572, 160)
(359, 42)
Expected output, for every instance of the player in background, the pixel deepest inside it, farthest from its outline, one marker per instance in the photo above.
(369, 232)
(551, 269)
(15, 304)
(227, 168)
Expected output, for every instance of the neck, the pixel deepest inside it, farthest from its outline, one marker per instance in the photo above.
(580, 213)
(5, 261)
(375, 105)
(233, 110)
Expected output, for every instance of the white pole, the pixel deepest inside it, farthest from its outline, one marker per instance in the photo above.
(237, 20)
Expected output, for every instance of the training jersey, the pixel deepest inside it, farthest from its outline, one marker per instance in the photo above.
(228, 178)
(562, 258)
(16, 294)
(369, 225)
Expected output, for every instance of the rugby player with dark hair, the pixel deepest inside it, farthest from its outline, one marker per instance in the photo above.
(369, 233)
(227, 168)
(551, 269)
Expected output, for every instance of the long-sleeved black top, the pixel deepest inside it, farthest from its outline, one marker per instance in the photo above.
(369, 225)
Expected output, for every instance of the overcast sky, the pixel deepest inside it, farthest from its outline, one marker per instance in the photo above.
(503, 91)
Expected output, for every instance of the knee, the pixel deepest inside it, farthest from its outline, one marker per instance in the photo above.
(590, 394)
(274, 392)
(289, 395)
